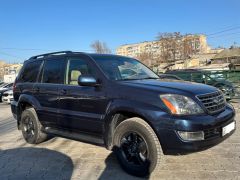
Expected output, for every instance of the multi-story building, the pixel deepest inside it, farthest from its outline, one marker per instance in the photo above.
(183, 47)
(133, 50)
(2, 71)
(8, 69)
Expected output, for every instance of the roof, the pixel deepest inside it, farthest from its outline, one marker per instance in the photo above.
(62, 53)
(235, 52)
(203, 57)
(214, 67)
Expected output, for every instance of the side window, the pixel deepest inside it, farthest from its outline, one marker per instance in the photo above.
(53, 71)
(77, 67)
(30, 72)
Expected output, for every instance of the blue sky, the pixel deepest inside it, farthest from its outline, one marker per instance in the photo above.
(30, 27)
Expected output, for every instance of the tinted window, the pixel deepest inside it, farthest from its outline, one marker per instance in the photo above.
(30, 72)
(53, 71)
(77, 67)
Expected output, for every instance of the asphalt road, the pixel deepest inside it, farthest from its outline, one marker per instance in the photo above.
(60, 158)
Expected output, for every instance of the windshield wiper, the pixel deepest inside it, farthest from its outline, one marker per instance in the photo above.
(149, 78)
(126, 79)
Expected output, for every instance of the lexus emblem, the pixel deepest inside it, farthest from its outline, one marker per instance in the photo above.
(216, 100)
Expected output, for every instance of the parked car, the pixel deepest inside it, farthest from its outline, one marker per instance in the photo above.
(1, 83)
(7, 96)
(5, 87)
(169, 76)
(139, 116)
(205, 77)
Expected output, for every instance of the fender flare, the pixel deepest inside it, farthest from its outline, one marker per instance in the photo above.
(141, 110)
(24, 98)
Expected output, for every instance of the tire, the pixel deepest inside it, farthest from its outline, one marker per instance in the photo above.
(31, 127)
(152, 153)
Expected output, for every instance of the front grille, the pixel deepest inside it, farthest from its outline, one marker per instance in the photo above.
(213, 102)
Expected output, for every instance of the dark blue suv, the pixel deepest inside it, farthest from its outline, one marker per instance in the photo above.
(119, 102)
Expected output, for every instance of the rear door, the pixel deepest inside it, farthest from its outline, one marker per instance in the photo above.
(46, 90)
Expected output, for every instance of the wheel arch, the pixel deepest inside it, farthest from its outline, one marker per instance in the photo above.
(116, 117)
(25, 101)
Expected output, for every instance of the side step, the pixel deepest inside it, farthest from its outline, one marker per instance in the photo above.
(76, 136)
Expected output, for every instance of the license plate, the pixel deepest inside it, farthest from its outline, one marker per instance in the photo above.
(228, 128)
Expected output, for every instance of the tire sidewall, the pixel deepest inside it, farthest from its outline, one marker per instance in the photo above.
(141, 130)
(29, 113)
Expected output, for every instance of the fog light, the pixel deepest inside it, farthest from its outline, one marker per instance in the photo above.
(191, 136)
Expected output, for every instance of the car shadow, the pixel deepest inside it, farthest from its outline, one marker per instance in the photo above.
(114, 171)
(34, 163)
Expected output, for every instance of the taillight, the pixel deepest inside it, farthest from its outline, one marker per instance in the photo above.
(14, 86)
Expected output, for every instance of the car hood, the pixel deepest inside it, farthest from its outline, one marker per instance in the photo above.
(171, 86)
(4, 89)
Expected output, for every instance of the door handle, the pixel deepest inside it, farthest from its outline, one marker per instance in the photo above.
(63, 91)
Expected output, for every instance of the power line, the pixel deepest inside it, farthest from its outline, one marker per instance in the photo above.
(25, 49)
(36, 49)
(219, 32)
(220, 29)
(10, 55)
(223, 35)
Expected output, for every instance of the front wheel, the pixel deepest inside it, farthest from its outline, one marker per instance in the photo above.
(137, 147)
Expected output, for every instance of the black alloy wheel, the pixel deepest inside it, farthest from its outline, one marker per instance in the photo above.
(134, 148)
(28, 127)
(31, 127)
(137, 147)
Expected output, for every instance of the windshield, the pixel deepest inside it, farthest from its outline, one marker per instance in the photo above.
(123, 68)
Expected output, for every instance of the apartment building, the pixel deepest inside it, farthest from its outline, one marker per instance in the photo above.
(8, 69)
(191, 44)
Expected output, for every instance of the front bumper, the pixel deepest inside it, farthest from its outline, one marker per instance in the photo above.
(7, 99)
(211, 125)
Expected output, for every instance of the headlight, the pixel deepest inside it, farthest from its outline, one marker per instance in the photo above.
(181, 105)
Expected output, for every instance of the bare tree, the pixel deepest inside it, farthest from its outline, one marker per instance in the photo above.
(146, 58)
(170, 44)
(188, 49)
(100, 47)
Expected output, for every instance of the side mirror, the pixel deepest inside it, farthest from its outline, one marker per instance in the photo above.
(87, 81)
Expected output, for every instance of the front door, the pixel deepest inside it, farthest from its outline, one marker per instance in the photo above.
(81, 108)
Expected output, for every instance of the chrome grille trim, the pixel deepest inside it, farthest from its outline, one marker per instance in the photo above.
(213, 102)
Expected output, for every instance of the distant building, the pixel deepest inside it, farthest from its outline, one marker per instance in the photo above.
(231, 56)
(2, 71)
(197, 43)
(9, 78)
(8, 69)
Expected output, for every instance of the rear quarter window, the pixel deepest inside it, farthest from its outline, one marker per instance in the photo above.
(30, 72)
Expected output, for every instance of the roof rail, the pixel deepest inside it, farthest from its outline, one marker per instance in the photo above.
(49, 54)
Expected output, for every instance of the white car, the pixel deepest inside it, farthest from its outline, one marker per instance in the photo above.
(6, 86)
(7, 96)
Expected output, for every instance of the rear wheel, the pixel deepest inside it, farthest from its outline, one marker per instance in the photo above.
(137, 147)
(31, 127)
